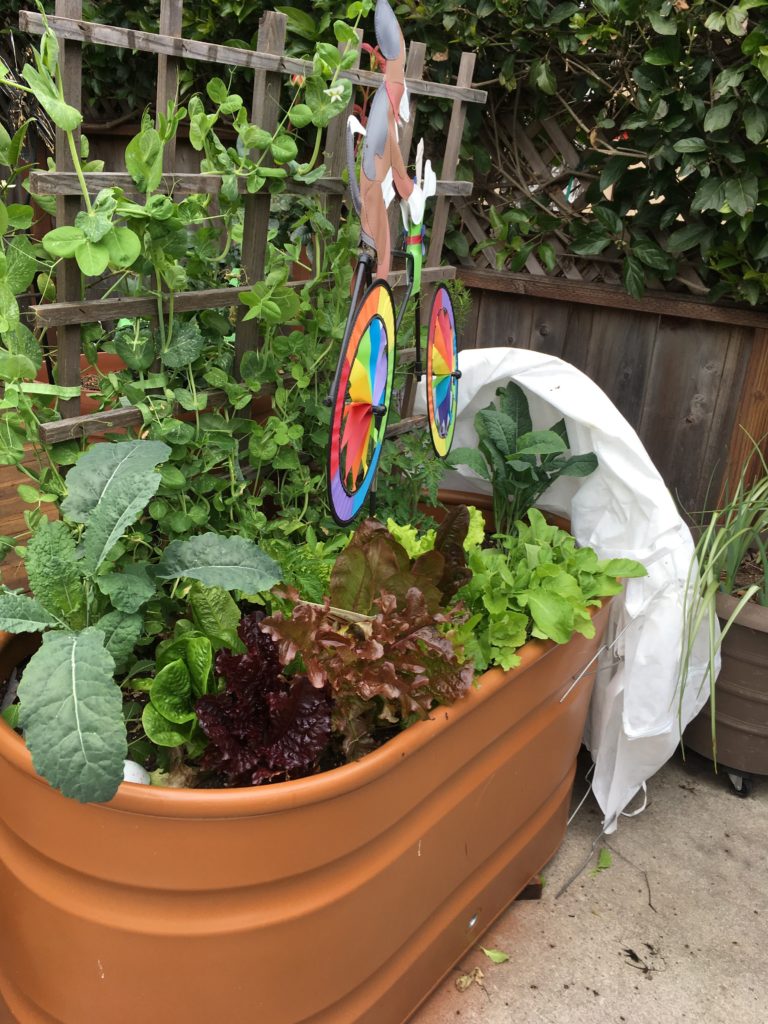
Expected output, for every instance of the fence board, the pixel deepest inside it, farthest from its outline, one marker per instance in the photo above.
(683, 384)
(562, 290)
(751, 416)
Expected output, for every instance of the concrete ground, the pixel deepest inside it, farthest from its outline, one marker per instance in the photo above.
(674, 928)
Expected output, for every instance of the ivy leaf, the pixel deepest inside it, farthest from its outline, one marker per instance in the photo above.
(685, 238)
(650, 254)
(22, 614)
(232, 563)
(690, 145)
(541, 75)
(663, 26)
(72, 715)
(736, 20)
(53, 571)
(185, 345)
(741, 194)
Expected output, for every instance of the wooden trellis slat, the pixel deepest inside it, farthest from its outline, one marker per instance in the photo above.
(191, 49)
(66, 183)
(335, 150)
(450, 160)
(67, 208)
(265, 111)
(171, 12)
(88, 311)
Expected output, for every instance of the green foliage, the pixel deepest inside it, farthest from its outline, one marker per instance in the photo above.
(72, 715)
(535, 584)
(666, 106)
(521, 463)
(729, 537)
(231, 563)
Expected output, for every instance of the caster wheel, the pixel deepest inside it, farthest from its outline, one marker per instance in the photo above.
(740, 784)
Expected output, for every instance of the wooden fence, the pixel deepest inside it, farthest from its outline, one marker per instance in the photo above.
(688, 376)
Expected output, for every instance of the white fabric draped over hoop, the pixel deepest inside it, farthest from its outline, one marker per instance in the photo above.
(623, 509)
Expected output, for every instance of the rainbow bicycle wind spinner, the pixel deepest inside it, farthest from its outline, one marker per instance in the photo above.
(361, 393)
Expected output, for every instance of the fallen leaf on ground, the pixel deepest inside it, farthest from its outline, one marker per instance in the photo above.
(465, 980)
(495, 955)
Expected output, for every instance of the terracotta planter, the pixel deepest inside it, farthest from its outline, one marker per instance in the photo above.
(107, 363)
(339, 899)
(741, 691)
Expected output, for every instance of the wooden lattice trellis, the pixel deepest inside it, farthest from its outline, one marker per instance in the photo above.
(535, 162)
(270, 66)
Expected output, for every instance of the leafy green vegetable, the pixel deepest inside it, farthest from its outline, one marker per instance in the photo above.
(395, 665)
(72, 715)
(520, 462)
(232, 563)
(536, 583)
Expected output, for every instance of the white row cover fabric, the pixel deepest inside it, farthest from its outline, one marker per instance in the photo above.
(623, 509)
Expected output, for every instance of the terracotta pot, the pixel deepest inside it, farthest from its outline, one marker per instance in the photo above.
(741, 694)
(339, 899)
(106, 362)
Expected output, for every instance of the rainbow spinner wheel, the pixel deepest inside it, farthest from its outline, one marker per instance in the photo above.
(442, 373)
(360, 402)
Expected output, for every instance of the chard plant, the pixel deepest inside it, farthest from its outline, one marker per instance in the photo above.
(520, 462)
(95, 599)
